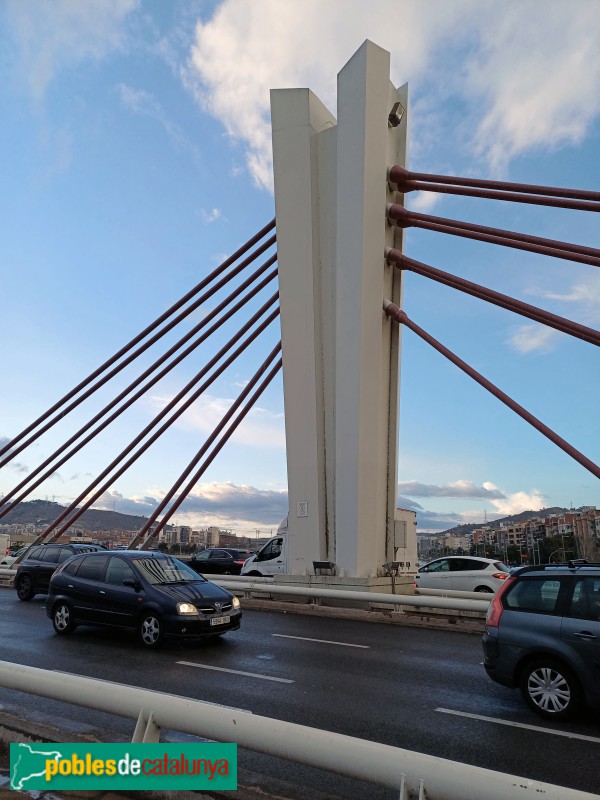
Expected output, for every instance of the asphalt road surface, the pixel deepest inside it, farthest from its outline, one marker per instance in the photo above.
(413, 688)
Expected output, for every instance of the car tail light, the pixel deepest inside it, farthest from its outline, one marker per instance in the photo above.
(240, 561)
(502, 576)
(496, 608)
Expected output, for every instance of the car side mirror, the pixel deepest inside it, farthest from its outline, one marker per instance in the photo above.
(133, 583)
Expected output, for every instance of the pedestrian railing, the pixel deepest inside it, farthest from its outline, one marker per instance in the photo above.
(413, 775)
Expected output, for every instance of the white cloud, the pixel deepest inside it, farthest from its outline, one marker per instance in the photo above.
(210, 216)
(226, 505)
(537, 75)
(586, 294)
(422, 202)
(456, 489)
(520, 501)
(55, 34)
(260, 427)
(142, 102)
(530, 338)
(520, 79)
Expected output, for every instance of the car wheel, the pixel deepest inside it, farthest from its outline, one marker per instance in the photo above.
(62, 619)
(550, 689)
(484, 590)
(151, 630)
(254, 574)
(25, 589)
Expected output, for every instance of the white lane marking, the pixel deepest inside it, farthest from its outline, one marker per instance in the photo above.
(236, 672)
(322, 641)
(520, 725)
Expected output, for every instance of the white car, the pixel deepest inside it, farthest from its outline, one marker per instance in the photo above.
(462, 573)
(8, 561)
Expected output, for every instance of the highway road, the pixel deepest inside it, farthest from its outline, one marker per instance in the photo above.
(413, 688)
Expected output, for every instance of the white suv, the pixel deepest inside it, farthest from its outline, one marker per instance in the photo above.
(462, 573)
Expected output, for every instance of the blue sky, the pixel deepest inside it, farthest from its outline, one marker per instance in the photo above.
(136, 147)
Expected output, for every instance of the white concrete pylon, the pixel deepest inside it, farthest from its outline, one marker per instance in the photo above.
(340, 353)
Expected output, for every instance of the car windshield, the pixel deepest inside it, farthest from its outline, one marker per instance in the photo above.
(161, 571)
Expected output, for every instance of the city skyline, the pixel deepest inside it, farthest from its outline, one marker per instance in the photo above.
(139, 144)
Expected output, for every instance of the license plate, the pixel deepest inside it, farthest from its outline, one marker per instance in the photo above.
(220, 620)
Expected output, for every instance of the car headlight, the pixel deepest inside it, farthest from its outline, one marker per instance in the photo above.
(186, 608)
(236, 603)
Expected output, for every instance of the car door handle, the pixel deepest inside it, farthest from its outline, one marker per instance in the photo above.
(102, 591)
(587, 635)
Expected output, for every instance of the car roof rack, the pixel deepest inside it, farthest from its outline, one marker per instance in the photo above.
(573, 563)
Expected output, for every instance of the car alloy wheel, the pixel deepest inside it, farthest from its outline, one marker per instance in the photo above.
(62, 619)
(151, 630)
(25, 588)
(484, 590)
(550, 689)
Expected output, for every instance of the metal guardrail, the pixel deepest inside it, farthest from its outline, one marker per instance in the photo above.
(443, 601)
(240, 584)
(413, 774)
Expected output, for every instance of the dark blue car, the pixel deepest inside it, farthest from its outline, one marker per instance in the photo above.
(149, 592)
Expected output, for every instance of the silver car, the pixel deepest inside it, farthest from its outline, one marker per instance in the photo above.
(463, 574)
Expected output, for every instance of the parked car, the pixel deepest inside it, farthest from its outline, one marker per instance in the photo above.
(462, 573)
(543, 636)
(148, 592)
(221, 560)
(33, 573)
(10, 559)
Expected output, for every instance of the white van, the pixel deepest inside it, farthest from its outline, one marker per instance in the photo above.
(271, 559)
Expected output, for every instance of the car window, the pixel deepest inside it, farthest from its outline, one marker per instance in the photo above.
(203, 556)
(219, 554)
(92, 569)
(51, 554)
(538, 595)
(501, 566)
(464, 564)
(64, 555)
(72, 567)
(36, 553)
(162, 571)
(437, 566)
(271, 550)
(585, 602)
(118, 570)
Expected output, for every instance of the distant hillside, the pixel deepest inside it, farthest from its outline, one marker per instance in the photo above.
(41, 512)
(462, 530)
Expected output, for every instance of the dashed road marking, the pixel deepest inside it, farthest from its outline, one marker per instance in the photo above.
(236, 672)
(520, 725)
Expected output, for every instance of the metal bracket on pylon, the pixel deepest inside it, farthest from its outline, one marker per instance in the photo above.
(146, 730)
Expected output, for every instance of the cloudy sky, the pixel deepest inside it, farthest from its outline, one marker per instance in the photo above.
(136, 141)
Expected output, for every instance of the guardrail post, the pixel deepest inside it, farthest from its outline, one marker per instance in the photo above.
(146, 729)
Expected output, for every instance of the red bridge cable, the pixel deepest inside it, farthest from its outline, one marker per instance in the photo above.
(132, 356)
(521, 241)
(394, 312)
(218, 447)
(401, 261)
(491, 194)
(399, 175)
(169, 407)
(137, 395)
(207, 444)
(205, 282)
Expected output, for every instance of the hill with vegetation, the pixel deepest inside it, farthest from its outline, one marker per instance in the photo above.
(43, 512)
(514, 519)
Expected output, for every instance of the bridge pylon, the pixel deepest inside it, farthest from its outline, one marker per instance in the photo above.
(340, 352)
